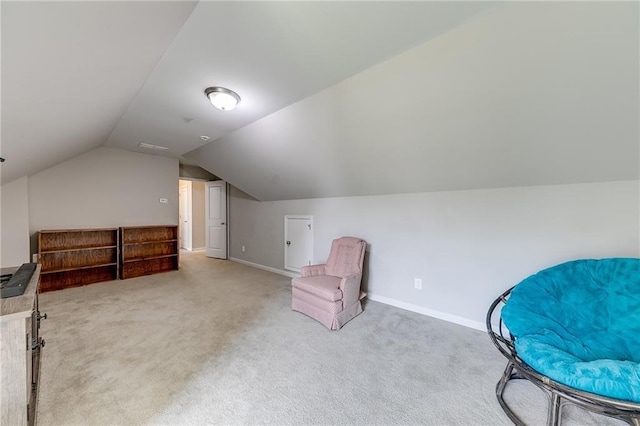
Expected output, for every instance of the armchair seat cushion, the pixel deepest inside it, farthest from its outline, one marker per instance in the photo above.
(326, 287)
(317, 303)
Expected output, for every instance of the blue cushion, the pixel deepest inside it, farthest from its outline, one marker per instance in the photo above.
(578, 323)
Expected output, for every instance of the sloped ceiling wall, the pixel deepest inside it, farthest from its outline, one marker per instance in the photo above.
(526, 94)
(273, 54)
(70, 70)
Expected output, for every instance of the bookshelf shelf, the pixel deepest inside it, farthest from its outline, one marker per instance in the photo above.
(76, 257)
(148, 250)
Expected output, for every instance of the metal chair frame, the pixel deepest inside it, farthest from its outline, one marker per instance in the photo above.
(557, 393)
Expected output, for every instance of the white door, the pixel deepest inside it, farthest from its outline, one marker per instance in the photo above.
(216, 218)
(185, 219)
(298, 241)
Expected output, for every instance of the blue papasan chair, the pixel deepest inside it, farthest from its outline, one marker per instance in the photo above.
(573, 330)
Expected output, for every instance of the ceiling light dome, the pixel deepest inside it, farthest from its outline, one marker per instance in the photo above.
(221, 98)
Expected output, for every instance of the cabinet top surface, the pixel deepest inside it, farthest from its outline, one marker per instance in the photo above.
(48, 231)
(20, 306)
(148, 226)
(9, 270)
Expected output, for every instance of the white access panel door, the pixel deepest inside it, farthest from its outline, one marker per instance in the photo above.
(216, 218)
(298, 242)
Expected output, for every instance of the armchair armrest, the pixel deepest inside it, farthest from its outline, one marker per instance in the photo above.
(312, 270)
(350, 287)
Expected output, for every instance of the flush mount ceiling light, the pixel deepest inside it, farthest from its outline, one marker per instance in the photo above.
(221, 98)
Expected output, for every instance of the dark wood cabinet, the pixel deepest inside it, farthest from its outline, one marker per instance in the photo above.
(75, 257)
(147, 250)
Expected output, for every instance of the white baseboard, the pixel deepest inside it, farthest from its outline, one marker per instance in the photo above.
(386, 300)
(429, 312)
(195, 250)
(266, 268)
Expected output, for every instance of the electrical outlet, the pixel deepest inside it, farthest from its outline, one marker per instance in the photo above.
(243, 250)
(417, 283)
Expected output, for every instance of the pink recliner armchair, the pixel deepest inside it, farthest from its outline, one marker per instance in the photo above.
(330, 293)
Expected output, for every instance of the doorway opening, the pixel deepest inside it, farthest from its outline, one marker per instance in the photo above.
(216, 205)
(192, 215)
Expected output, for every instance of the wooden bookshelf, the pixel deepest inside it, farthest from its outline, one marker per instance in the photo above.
(147, 250)
(75, 257)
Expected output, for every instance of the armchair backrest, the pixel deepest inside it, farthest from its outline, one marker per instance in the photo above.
(346, 257)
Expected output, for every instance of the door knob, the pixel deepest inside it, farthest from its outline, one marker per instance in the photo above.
(288, 243)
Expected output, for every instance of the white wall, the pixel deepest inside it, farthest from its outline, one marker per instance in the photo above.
(467, 246)
(105, 187)
(14, 231)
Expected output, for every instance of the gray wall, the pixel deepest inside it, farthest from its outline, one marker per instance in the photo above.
(104, 187)
(14, 231)
(188, 171)
(467, 246)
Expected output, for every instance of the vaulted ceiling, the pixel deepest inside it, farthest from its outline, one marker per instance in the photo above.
(70, 71)
(338, 98)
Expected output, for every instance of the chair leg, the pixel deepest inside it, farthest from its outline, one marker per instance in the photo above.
(502, 383)
(634, 421)
(554, 415)
(500, 387)
(556, 402)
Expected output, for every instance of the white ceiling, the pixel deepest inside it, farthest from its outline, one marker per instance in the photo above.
(273, 54)
(77, 75)
(488, 94)
(533, 93)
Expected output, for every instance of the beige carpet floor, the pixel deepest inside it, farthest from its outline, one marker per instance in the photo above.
(217, 343)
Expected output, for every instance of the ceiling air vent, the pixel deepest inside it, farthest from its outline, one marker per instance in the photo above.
(155, 147)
